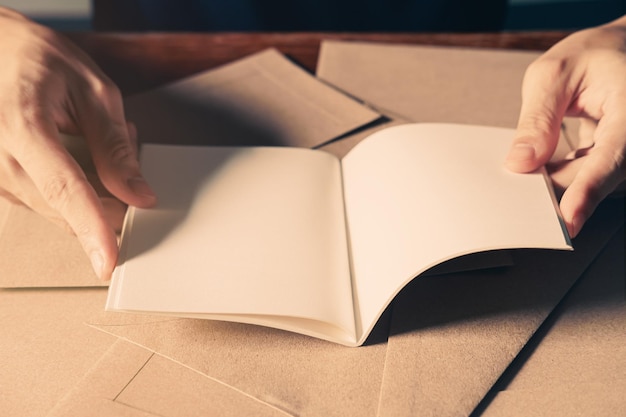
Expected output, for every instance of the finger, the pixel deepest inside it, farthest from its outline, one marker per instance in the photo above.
(562, 173)
(114, 212)
(101, 117)
(545, 98)
(64, 187)
(601, 172)
(19, 188)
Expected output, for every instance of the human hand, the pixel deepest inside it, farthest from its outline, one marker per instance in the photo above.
(584, 76)
(49, 86)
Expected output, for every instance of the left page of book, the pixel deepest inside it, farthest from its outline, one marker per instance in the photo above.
(253, 235)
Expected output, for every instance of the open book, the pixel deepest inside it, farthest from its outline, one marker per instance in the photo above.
(299, 240)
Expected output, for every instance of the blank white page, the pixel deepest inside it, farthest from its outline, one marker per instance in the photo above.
(419, 194)
(256, 232)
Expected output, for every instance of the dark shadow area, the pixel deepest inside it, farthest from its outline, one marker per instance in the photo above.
(303, 15)
(179, 119)
(380, 332)
(494, 261)
(563, 15)
(350, 15)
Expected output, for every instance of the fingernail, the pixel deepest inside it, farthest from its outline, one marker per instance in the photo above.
(140, 187)
(521, 152)
(97, 263)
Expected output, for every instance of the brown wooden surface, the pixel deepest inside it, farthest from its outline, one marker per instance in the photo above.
(140, 61)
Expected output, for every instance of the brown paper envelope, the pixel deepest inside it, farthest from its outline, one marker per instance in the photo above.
(431, 84)
(453, 336)
(294, 373)
(130, 380)
(99, 407)
(170, 389)
(45, 346)
(96, 392)
(260, 100)
(34, 252)
(263, 99)
(587, 399)
(577, 359)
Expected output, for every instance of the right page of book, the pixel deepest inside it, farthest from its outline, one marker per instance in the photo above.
(419, 194)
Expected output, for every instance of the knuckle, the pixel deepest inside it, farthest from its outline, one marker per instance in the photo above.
(613, 159)
(540, 125)
(614, 172)
(119, 150)
(12, 167)
(59, 190)
(81, 229)
(545, 94)
(56, 191)
(116, 145)
(29, 104)
(32, 117)
(618, 165)
(549, 68)
(104, 90)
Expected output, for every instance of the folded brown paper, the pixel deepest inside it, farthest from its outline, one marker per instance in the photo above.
(132, 381)
(263, 99)
(290, 372)
(45, 346)
(586, 337)
(584, 399)
(96, 393)
(34, 252)
(429, 84)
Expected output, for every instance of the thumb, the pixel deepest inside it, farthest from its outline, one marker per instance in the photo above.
(545, 99)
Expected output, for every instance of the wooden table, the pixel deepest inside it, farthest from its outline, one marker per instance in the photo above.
(140, 61)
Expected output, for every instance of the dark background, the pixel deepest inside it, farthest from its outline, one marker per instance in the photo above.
(276, 15)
